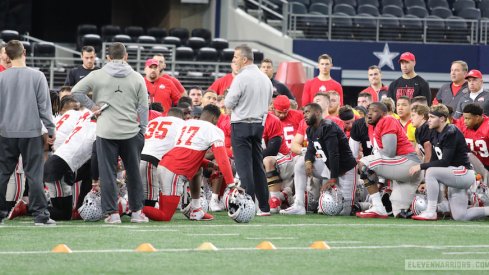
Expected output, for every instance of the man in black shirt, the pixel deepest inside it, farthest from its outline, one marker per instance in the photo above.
(328, 157)
(450, 166)
(278, 87)
(409, 84)
(76, 74)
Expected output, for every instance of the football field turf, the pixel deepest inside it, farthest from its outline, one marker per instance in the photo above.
(357, 246)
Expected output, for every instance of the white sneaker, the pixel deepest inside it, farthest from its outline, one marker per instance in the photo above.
(139, 217)
(294, 210)
(49, 222)
(374, 212)
(426, 216)
(215, 206)
(113, 219)
(199, 215)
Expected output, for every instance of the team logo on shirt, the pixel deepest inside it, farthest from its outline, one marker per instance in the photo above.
(322, 88)
(162, 86)
(118, 90)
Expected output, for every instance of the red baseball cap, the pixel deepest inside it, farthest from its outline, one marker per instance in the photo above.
(407, 56)
(474, 74)
(281, 103)
(150, 62)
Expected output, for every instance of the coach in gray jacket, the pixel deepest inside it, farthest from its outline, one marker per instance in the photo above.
(120, 128)
(249, 96)
(24, 103)
(476, 94)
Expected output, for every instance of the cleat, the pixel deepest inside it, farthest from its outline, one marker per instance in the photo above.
(49, 222)
(262, 214)
(275, 204)
(426, 216)
(374, 212)
(139, 217)
(215, 206)
(113, 218)
(294, 210)
(20, 209)
(199, 215)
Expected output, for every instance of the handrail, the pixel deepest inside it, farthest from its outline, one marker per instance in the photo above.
(28, 37)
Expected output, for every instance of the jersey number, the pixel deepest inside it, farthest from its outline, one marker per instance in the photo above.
(478, 147)
(187, 135)
(62, 120)
(157, 130)
(288, 135)
(319, 152)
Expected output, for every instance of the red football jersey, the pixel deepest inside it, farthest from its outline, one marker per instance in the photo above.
(224, 123)
(175, 82)
(273, 128)
(314, 86)
(477, 140)
(164, 92)
(290, 124)
(221, 84)
(390, 125)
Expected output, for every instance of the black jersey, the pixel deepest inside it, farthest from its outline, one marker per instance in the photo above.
(359, 133)
(328, 143)
(450, 149)
(76, 74)
(415, 86)
(422, 135)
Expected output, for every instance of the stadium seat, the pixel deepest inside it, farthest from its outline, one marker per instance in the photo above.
(344, 8)
(226, 55)
(297, 8)
(219, 44)
(368, 2)
(257, 56)
(316, 26)
(389, 28)
(8, 35)
(86, 29)
(412, 28)
(484, 7)
(207, 54)
(435, 29)
(202, 32)
(397, 3)
(393, 10)
(326, 2)
(365, 27)
(417, 11)
(160, 49)
(27, 47)
(457, 30)
(146, 39)
(158, 33)
(134, 32)
(462, 4)
(352, 3)
(172, 40)
(93, 40)
(184, 54)
(43, 49)
(368, 9)
(412, 3)
(303, 2)
(320, 8)
(108, 32)
(181, 33)
(441, 12)
(438, 3)
(342, 26)
(122, 38)
(196, 43)
(470, 13)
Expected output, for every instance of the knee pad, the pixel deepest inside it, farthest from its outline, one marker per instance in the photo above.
(273, 177)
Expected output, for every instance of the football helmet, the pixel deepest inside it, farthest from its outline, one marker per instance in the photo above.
(331, 202)
(91, 209)
(312, 202)
(241, 207)
(419, 204)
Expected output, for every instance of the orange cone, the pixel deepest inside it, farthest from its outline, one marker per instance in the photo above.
(145, 247)
(320, 245)
(207, 246)
(61, 248)
(266, 245)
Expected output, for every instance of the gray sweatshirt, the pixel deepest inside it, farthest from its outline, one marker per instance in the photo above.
(124, 90)
(249, 96)
(24, 102)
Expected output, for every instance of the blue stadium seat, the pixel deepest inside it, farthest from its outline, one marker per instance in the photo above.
(389, 28)
(435, 29)
(344, 8)
(368, 9)
(462, 4)
(411, 3)
(8, 35)
(393, 10)
(196, 43)
(441, 12)
(184, 54)
(342, 26)
(181, 33)
(365, 27)
(123, 38)
(158, 33)
(134, 32)
(207, 54)
(203, 33)
(397, 3)
(109, 31)
(417, 11)
(319, 8)
(470, 13)
(368, 2)
(172, 40)
(412, 28)
(146, 39)
(438, 3)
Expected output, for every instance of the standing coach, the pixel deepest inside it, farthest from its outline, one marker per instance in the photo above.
(248, 98)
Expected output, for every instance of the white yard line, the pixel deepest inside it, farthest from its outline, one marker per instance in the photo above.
(166, 250)
(212, 234)
(154, 230)
(271, 238)
(466, 253)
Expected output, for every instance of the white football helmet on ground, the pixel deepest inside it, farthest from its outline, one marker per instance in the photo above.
(241, 207)
(331, 202)
(419, 204)
(91, 209)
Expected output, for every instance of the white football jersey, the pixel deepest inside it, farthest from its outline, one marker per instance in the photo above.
(77, 147)
(160, 135)
(65, 124)
(199, 135)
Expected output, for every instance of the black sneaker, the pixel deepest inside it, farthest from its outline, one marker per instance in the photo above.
(405, 214)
